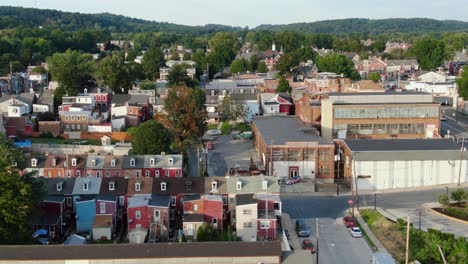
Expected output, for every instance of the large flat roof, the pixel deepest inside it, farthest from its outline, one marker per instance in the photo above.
(141, 251)
(278, 130)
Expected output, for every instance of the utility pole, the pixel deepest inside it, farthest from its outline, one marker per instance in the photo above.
(375, 201)
(461, 159)
(407, 240)
(317, 242)
(355, 186)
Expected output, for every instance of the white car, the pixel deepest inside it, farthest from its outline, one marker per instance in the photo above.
(355, 232)
(214, 132)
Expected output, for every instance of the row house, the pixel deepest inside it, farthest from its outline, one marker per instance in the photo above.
(275, 104)
(199, 209)
(327, 82)
(307, 108)
(74, 120)
(133, 166)
(85, 194)
(129, 110)
(102, 96)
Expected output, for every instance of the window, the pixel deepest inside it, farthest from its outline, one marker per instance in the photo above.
(59, 187)
(72, 118)
(177, 173)
(111, 186)
(137, 214)
(137, 186)
(33, 162)
(324, 154)
(189, 186)
(93, 162)
(293, 155)
(278, 154)
(59, 174)
(309, 154)
(84, 118)
(66, 118)
(156, 173)
(247, 212)
(68, 201)
(214, 186)
(132, 162)
(68, 173)
(247, 224)
(121, 200)
(138, 174)
(49, 174)
(239, 185)
(78, 173)
(98, 174)
(113, 163)
(107, 174)
(117, 173)
(324, 170)
(163, 186)
(54, 162)
(265, 185)
(167, 173)
(264, 224)
(224, 200)
(151, 162)
(102, 208)
(171, 161)
(78, 118)
(85, 186)
(195, 207)
(147, 173)
(157, 214)
(173, 201)
(214, 221)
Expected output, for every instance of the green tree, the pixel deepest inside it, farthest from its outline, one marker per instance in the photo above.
(207, 232)
(178, 76)
(458, 195)
(339, 64)
(283, 86)
(374, 76)
(186, 113)
(11, 157)
(429, 52)
(114, 73)
(147, 85)
(262, 67)
(253, 63)
(230, 109)
(239, 65)
(224, 46)
(444, 200)
(153, 59)
(150, 137)
(463, 84)
(70, 69)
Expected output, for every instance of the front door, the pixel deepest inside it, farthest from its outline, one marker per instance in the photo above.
(293, 171)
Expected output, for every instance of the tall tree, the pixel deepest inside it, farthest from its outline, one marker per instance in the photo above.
(239, 65)
(178, 76)
(10, 155)
(70, 69)
(224, 46)
(262, 67)
(153, 59)
(463, 84)
(186, 113)
(230, 109)
(283, 86)
(339, 64)
(114, 73)
(430, 53)
(150, 137)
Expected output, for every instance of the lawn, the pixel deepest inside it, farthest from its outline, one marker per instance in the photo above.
(65, 141)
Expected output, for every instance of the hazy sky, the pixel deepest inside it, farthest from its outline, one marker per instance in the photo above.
(255, 12)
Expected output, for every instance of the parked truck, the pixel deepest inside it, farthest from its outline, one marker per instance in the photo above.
(243, 135)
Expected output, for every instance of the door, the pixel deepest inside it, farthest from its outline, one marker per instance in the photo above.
(190, 230)
(138, 238)
(293, 171)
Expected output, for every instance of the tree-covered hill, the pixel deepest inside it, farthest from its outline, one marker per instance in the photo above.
(11, 17)
(373, 26)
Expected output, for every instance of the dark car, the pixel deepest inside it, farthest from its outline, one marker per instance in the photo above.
(349, 221)
(307, 245)
(302, 228)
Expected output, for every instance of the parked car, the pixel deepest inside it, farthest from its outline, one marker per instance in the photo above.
(243, 135)
(355, 232)
(349, 221)
(307, 245)
(286, 232)
(302, 228)
(214, 132)
(208, 138)
(294, 180)
(209, 145)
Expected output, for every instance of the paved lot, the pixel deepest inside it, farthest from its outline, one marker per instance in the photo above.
(229, 153)
(335, 243)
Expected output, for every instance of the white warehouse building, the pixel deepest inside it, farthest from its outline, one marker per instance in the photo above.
(403, 163)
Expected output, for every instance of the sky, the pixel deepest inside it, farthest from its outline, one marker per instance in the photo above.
(252, 13)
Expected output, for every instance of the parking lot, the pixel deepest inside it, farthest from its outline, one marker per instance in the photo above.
(229, 153)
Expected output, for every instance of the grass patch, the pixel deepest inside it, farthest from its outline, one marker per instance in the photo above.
(459, 213)
(65, 141)
(366, 236)
(212, 126)
(243, 127)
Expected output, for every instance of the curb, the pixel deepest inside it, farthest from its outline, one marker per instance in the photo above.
(449, 217)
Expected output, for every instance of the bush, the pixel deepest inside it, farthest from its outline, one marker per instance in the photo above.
(46, 135)
(444, 200)
(457, 213)
(226, 128)
(212, 126)
(459, 195)
(243, 127)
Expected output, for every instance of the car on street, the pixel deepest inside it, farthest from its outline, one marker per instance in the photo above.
(355, 232)
(293, 180)
(349, 221)
(214, 132)
(208, 138)
(307, 245)
(302, 228)
(286, 232)
(243, 135)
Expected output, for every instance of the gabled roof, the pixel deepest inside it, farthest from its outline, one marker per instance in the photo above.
(253, 184)
(183, 185)
(159, 200)
(193, 197)
(108, 161)
(120, 186)
(139, 161)
(45, 100)
(40, 162)
(120, 99)
(80, 161)
(162, 161)
(67, 185)
(221, 184)
(94, 186)
(98, 161)
(146, 186)
(401, 62)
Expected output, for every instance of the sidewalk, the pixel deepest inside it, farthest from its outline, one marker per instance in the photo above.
(365, 227)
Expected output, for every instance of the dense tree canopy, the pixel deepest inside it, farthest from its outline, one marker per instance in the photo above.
(10, 155)
(339, 64)
(430, 53)
(152, 61)
(113, 72)
(230, 109)
(463, 84)
(283, 86)
(150, 137)
(70, 69)
(178, 76)
(239, 66)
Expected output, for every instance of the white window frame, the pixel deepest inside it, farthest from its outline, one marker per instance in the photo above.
(98, 174)
(152, 162)
(59, 187)
(132, 162)
(239, 185)
(113, 163)
(225, 200)
(68, 201)
(102, 208)
(247, 225)
(157, 214)
(78, 173)
(138, 174)
(247, 212)
(264, 224)
(147, 174)
(137, 186)
(93, 162)
(195, 207)
(163, 186)
(85, 186)
(174, 201)
(264, 185)
(156, 173)
(214, 185)
(73, 162)
(33, 162)
(167, 173)
(111, 186)
(177, 173)
(137, 214)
